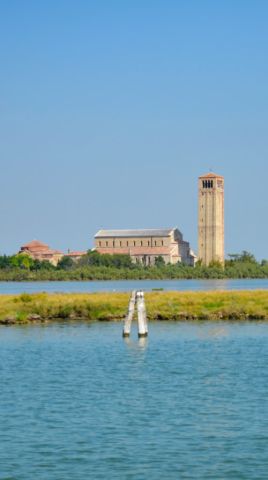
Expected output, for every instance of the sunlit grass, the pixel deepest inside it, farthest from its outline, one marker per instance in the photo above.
(211, 305)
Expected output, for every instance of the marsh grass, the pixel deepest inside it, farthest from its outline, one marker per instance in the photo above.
(235, 305)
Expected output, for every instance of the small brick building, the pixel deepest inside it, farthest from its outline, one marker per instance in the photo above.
(144, 246)
(41, 251)
(76, 255)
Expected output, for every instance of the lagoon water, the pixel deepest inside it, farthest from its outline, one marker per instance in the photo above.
(78, 402)
(128, 285)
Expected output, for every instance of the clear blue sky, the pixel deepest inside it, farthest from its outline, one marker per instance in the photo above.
(109, 111)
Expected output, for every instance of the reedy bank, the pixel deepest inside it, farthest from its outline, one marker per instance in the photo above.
(229, 305)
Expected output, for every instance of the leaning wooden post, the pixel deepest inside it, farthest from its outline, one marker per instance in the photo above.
(130, 314)
(142, 319)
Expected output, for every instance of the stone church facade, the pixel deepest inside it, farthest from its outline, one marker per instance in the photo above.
(144, 246)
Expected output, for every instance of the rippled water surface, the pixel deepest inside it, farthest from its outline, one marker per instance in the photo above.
(128, 285)
(79, 402)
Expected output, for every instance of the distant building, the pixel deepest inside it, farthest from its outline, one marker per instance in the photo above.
(144, 246)
(75, 255)
(211, 218)
(40, 251)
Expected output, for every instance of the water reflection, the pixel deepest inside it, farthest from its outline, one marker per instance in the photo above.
(143, 342)
(213, 331)
(139, 344)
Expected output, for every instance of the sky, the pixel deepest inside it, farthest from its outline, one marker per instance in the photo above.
(110, 110)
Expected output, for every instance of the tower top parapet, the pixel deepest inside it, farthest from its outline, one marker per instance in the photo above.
(211, 175)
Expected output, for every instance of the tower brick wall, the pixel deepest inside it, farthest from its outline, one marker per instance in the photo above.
(211, 218)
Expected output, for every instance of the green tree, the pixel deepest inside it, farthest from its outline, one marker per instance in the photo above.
(159, 261)
(21, 260)
(65, 263)
(244, 257)
(4, 261)
(42, 265)
(247, 257)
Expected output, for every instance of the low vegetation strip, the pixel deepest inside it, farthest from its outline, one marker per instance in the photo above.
(228, 305)
(96, 266)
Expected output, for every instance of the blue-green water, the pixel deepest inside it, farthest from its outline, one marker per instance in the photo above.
(78, 402)
(128, 285)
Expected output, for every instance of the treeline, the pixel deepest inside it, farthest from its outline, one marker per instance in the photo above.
(95, 266)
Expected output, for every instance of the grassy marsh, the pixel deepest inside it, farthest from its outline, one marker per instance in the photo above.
(216, 305)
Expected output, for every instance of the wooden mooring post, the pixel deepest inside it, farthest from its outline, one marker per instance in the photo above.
(130, 314)
(142, 319)
(136, 298)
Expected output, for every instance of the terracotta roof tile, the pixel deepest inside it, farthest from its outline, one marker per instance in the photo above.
(39, 248)
(35, 244)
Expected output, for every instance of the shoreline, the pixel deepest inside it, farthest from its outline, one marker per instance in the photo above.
(112, 306)
(21, 277)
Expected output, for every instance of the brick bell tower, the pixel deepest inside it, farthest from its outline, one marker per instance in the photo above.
(211, 218)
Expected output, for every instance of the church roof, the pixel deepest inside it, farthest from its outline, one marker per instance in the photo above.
(211, 175)
(164, 232)
(35, 244)
(35, 247)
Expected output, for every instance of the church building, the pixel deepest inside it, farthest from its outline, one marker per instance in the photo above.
(41, 251)
(144, 246)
